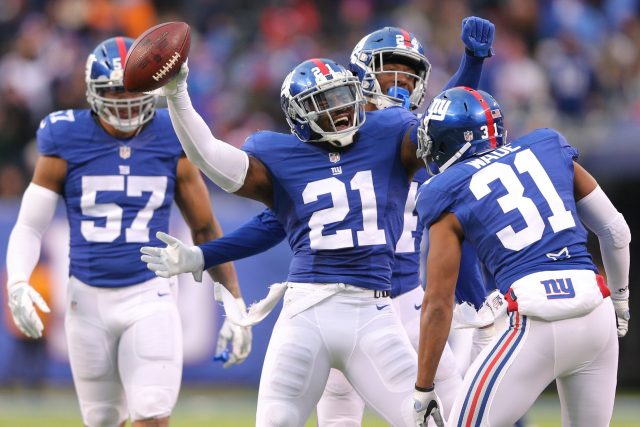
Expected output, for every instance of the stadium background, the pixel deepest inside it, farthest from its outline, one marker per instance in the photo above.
(569, 64)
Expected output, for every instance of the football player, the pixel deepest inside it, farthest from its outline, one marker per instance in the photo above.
(522, 205)
(118, 167)
(330, 182)
(393, 70)
(389, 62)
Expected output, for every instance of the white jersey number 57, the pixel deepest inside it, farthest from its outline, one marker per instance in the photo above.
(112, 213)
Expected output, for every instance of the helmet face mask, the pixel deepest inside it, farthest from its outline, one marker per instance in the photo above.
(323, 101)
(372, 59)
(125, 111)
(334, 108)
(460, 123)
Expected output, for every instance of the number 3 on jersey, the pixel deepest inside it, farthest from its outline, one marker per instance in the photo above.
(343, 238)
(525, 162)
(112, 213)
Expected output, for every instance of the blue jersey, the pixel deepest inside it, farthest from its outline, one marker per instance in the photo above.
(406, 267)
(265, 231)
(340, 207)
(516, 206)
(118, 193)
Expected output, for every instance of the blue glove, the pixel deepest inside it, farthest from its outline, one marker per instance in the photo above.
(477, 36)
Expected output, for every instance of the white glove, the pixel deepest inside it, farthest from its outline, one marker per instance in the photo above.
(174, 86)
(21, 299)
(622, 316)
(240, 337)
(427, 404)
(176, 258)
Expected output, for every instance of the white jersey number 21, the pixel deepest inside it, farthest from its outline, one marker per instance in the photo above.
(343, 238)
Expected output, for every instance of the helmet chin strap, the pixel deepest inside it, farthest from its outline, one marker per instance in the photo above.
(343, 140)
(124, 127)
(455, 157)
(113, 121)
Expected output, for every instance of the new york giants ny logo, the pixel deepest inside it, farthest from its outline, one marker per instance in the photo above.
(438, 109)
(558, 288)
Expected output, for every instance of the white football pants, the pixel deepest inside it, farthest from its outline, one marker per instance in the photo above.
(349, 330)
(125, 350)
(340, 405)
(580, 353)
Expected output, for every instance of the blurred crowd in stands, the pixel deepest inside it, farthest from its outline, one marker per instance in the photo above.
(570, 64)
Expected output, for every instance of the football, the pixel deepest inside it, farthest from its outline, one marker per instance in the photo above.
(156, 56)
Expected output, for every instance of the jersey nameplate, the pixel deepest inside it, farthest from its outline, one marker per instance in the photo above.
(496, 154)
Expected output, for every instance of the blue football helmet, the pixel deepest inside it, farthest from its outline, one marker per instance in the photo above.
(460, 122)
(103, 73)
(390, 45)
(323, 101)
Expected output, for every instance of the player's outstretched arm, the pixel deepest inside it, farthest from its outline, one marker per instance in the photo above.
(599, 215)
(259, 234)
(477, 36)
(192, 198)
(23, 251)
(230, 168)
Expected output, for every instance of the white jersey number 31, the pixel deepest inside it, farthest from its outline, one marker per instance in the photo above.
(525, 162)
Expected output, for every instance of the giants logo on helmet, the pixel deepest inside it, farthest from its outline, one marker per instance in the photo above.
(438, 109)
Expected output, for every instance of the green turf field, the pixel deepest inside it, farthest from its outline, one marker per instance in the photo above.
(236, 408)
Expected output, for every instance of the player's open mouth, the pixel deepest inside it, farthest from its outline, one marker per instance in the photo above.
(342, 121)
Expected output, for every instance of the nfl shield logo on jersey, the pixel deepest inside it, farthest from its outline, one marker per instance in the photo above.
(468, 135)
(334, 157)
(125, 151)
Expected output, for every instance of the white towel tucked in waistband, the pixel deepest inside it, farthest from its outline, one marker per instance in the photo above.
(309, 295)
(257, 311)
(466, 316)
